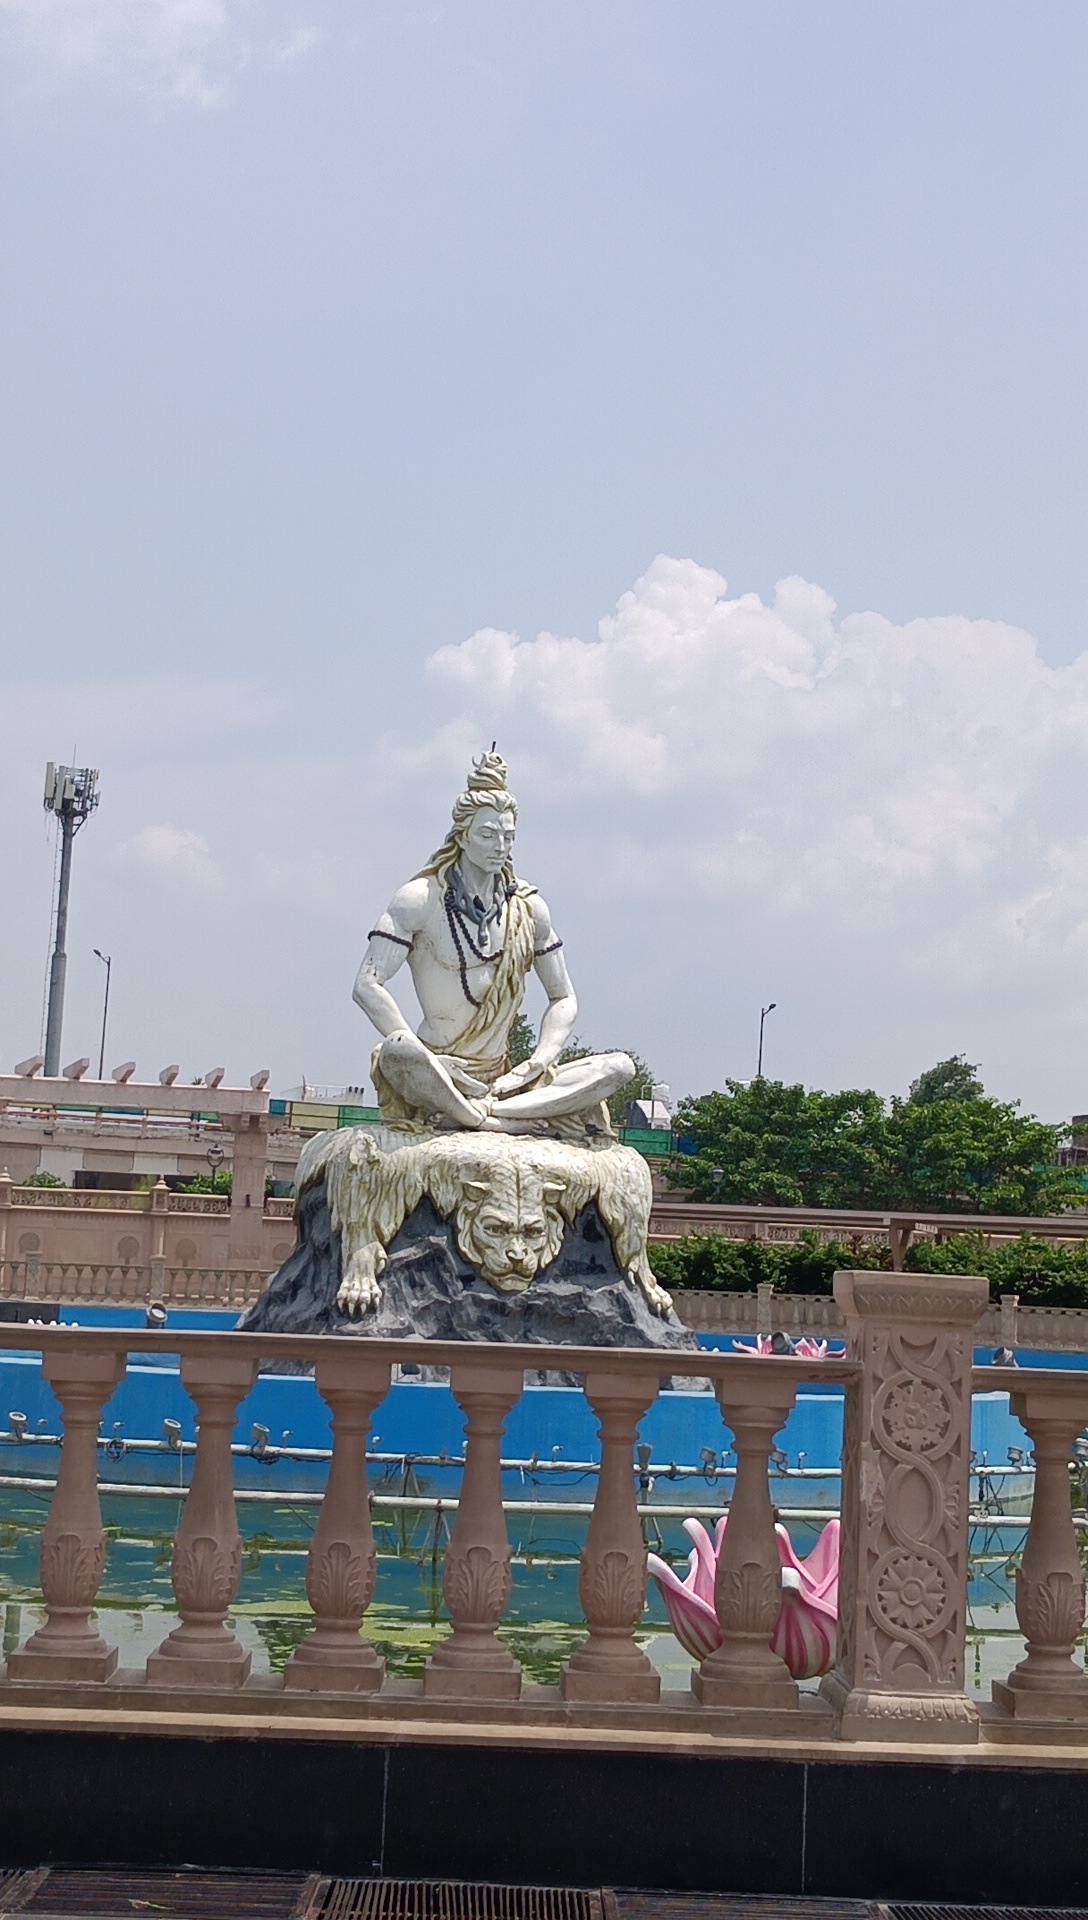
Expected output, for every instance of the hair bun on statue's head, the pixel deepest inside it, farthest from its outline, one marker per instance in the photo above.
(488, 774)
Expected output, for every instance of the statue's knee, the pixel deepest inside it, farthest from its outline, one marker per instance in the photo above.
(398, 1051)
(619, 1069)
(399, 1044)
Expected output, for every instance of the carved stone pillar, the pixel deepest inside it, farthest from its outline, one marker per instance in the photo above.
(73, 1549)
(905, 1495)
(207, 1562)
(473, 1664)
(249, 1164)
(744, 1672)
(1048, 1684)
(6, 1185)
(612, 1578)
(341, 1568)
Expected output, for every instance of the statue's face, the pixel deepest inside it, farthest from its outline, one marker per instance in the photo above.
(509, 1225)
(488, 840)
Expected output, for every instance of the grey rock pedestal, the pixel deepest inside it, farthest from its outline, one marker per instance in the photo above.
(430, 1293)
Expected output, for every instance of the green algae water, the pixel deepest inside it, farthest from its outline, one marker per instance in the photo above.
(406, 1621)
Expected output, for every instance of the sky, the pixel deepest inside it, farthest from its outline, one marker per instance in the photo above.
(689, 394)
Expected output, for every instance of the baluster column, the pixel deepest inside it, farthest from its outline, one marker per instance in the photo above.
(612, 1577)
(73, 1549)
(899, 1672)
(1048, 1684)
(207, 1560)
(341, 1569)
(473, 1664)
(744, 1672)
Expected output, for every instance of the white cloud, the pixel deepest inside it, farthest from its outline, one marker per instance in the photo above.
(883, 828)
(190, 51)
(899, 811)
(173, 853)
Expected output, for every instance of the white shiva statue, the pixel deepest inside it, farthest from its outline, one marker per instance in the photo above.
(509, 1155)
(470, 930)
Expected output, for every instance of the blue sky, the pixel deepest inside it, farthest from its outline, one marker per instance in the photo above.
(332, 335)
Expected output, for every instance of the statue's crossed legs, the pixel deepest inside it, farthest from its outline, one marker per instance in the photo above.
(442, 1085)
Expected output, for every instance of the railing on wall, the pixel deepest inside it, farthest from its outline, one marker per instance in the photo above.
(677, 1219)
(75, 1283)
(899, 1677)
(120, 1283)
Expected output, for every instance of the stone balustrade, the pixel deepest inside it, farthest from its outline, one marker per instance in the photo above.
(75, 1283)
(899, 1675)
(33, 1278)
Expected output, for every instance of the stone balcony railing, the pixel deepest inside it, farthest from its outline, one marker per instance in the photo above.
(899, 1678)
(89, 1283)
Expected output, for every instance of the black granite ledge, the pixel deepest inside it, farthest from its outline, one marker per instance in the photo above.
(946, 1831)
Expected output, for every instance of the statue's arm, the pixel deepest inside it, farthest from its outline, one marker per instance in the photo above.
(390, 944)
(562, 1008)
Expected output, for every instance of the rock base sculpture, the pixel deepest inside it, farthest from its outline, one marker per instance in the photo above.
(466, 1236)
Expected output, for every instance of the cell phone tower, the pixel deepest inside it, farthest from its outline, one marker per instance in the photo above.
(71, 794)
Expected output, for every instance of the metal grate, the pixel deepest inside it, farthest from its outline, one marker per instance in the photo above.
(942, 1912)
(637, 1905)
(16, 1887)
(455, 1900)
(186, 1895)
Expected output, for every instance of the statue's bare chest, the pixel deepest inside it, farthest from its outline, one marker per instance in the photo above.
(453, 959)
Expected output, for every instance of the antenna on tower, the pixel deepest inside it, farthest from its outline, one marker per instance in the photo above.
(71, 795)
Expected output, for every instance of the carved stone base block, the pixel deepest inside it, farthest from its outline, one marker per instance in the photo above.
(80, 1663)
(492, 1678)
(927, 1719)
(317, 1669)
(183, 1666)
(732, 1691)
(633, 1686)
(1069, 1702)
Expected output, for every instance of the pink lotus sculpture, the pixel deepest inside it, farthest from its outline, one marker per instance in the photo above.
(804, 1636)
(803, 1348)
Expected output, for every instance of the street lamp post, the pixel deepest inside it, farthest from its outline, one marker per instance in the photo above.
(107, 962)
(763, 1012)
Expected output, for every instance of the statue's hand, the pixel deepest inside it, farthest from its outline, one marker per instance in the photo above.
(464, 1081)
(517, 1079)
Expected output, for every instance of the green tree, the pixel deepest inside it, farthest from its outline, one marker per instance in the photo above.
(973, 1155)
(764, 1142)
(957, 1151)
(953, 1079)
(43, 1180)
(521, 1040)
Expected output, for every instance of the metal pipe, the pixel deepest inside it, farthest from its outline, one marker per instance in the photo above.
(424, 1504)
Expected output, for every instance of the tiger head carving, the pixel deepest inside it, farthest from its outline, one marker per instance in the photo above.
(509, 1225)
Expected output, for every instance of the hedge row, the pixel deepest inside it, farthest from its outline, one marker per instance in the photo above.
(1042, 1274)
